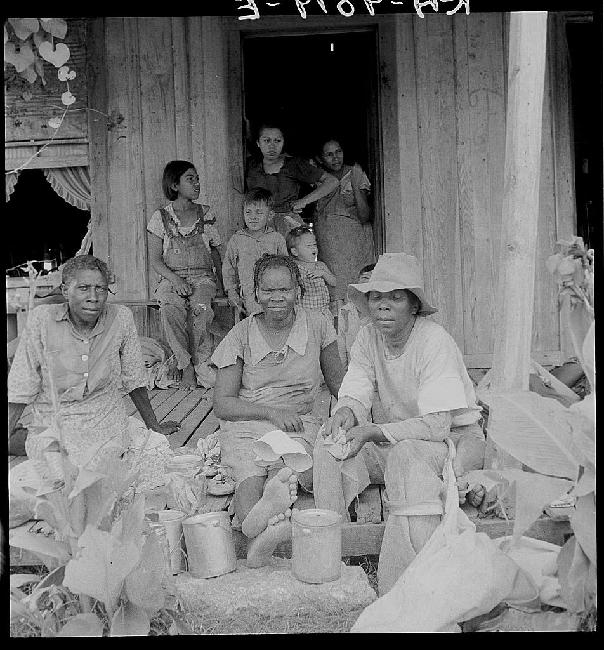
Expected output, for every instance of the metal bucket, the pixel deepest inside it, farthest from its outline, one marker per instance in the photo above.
(316, 545)
(172, 520)
(159, 531)
(210, 546)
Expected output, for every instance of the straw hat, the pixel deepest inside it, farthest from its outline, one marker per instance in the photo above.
(392, 271)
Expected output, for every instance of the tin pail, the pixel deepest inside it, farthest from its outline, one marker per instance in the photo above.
(316, 545)
(159, 531)
(172, 520)
(210, 546)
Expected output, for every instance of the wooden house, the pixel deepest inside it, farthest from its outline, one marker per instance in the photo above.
(431, 136)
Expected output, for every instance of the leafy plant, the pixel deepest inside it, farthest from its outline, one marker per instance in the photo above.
(107, 567)
(30, 41)
(556, 442)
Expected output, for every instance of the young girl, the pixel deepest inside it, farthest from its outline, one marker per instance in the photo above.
(185, 250)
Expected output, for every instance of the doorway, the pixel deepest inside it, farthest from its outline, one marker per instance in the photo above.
(317, 86)
(587, 121)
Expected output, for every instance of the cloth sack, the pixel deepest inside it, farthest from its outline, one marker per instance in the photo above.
(457, 575)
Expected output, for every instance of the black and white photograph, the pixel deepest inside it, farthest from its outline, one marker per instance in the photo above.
(300, 318)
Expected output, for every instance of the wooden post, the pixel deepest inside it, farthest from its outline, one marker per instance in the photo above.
(515, 294)
(520, 213)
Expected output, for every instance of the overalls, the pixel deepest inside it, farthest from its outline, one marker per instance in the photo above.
(185, 319)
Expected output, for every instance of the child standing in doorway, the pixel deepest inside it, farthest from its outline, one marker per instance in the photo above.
(185, 250)
(247, 246)
(315, 275)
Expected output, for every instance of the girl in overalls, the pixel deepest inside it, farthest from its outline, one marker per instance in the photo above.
(185, 250)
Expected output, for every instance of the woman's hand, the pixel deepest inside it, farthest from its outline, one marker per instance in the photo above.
(343, 418)
(167, 428)
(298, 206)
(358, 436)
(285, 420)
(356, 176)
(182, 287)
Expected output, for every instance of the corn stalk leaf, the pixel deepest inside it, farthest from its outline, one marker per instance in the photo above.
(85, 479)
(82, 625)
(53, 578)
(129, 526)
(101, 567)
(533, 493)
(535, 430)
(40, 545)
(18, 609)
(143, 586)
(576, 575)
(130, 620)
(583, 522)
(20, 579)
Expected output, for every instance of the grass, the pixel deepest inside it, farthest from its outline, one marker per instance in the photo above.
(250, 622)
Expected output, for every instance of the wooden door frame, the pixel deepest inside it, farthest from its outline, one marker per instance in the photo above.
(293, 26)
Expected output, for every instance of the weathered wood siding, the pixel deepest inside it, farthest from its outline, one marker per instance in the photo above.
(172, 89)
(162, 81)
(449, 76)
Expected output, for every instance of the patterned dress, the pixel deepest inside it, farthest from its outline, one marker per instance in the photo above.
(345, 244)
(90, 374)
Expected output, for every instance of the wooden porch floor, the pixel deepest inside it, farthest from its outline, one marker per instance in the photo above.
(192, 409)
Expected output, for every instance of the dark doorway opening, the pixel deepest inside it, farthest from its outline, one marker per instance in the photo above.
(317, 87)
(41, 221)
(585, 51)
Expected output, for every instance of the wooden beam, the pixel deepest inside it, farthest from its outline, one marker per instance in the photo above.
(526, 73)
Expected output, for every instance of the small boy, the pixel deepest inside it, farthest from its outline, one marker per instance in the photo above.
(350, 321)
(248, 245)
(315, 275)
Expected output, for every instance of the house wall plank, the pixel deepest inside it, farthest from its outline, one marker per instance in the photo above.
(563, 149)
(434, 65)
(480, 114)
(97, 130)
(400, 138)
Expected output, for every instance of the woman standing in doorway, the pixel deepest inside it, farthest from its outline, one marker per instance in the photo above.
(342, 223)
(284, 175)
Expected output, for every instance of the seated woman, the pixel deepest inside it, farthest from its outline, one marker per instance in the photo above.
(426, 397)
(269, 373)
(87, 353)
(284, 176)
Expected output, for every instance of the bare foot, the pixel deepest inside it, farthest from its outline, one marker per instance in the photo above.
(189, 380)
(279, 493)
(260, 549)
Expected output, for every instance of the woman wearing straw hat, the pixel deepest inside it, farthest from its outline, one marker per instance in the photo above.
(426, 397)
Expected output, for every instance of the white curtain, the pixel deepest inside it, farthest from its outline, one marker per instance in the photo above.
(72, 184)
(11, 181)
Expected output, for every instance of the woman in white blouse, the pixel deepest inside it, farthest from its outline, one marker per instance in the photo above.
(426, 397)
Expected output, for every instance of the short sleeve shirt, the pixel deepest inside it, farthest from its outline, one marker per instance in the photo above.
(428, 377)
(90, 373)
(285, 184)
(210, 235)
(288, 378)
